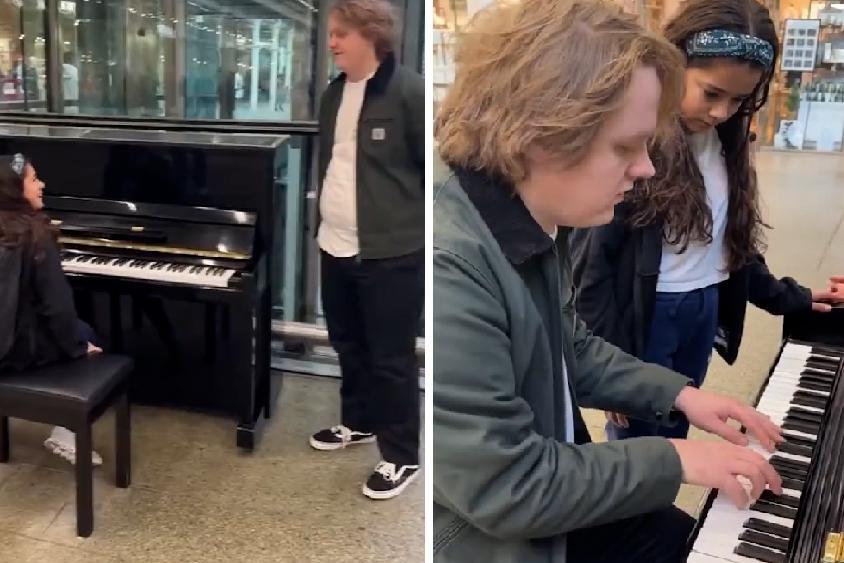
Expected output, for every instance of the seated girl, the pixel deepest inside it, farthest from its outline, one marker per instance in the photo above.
(38, 322)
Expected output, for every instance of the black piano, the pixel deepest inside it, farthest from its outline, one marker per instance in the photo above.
(804, 394)
(167, 240)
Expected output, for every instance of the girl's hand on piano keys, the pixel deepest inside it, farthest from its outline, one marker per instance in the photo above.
(836, 289)
(719, 465)
(822, 300)
(92, 349)
(710, 412)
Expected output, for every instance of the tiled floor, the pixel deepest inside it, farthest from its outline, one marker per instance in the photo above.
(195, 498)
(804, 203)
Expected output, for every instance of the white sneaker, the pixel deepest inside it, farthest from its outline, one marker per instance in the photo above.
(62, 442)
(338, 437)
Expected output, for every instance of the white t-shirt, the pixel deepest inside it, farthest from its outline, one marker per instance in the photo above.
(338, 231)
(701, 265)
(70, 82)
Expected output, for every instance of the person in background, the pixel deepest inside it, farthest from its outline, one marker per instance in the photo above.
(38, 322)
(545, 127)
(371, 234)
(670, 277)
(70, 82)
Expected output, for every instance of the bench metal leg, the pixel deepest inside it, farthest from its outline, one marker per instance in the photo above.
(4, 439)
(123, 442)
(84, 482)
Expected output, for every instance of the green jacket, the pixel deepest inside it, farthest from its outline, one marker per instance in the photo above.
(390, 159)
(507, 488)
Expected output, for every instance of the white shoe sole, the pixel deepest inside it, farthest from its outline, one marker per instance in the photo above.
(384, 495)
(68, 454)
(327, 447)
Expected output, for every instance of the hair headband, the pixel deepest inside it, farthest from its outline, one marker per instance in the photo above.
(17, 164)
(723, 43)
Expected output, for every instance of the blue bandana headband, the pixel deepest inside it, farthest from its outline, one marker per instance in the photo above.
(723, 43)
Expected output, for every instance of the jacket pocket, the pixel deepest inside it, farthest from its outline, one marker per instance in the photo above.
(380, 136)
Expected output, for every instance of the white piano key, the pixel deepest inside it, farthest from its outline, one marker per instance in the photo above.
(148, 270)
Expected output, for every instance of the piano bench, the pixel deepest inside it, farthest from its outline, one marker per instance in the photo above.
(74, 394)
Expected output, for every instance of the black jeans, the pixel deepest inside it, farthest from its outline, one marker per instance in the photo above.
(372, 309)
(656, 537)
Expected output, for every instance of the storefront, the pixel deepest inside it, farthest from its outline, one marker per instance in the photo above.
(805, 110)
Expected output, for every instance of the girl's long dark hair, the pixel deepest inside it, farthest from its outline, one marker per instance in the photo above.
(677, 195)
(20, 224)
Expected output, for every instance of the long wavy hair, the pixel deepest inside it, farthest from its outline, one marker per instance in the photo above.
(676, 195)
(20, 224)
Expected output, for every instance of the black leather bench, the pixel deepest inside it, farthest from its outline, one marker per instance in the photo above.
(73, 394)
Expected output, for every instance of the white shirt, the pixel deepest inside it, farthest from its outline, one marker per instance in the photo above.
(702, 264)
(338, 231)
(569, 414)
(70, 82)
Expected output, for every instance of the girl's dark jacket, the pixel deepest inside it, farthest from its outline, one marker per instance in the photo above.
(615, 275)
(38, 322)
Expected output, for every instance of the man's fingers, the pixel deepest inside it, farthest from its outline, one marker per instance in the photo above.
(729, 433)
(735, 492)
(821, 307)
(753, 473)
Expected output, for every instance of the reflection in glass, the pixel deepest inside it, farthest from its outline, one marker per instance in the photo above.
(22, 56)
(198, 59)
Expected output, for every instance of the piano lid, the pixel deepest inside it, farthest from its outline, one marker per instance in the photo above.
(227, 171)
(165, 234)
(142, 136)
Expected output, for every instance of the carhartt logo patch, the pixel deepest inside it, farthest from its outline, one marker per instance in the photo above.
(379, 134)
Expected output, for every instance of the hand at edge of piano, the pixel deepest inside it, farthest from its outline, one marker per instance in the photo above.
(728, 467)
(711, 412)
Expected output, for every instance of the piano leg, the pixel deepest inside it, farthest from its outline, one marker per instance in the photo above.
(248, 407)
(263, 351)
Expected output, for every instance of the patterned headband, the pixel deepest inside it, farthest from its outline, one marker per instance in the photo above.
(723, 43)
(17, 164)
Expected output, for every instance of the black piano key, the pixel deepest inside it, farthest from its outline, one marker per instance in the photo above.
(764, 540)
(775, 509)
(816, 379)
(793, 484)
(820, 366)
(784, 499)
(803, 414)
(790, 473)
(789, 447)
(808, 402)
(759, 553)
(818, 400)
(826, 374)
(795, 463)
(800, 427)
(767, 527)
(814, 386)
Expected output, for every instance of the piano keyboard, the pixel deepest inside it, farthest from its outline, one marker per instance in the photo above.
(795, 397)
(146, 270)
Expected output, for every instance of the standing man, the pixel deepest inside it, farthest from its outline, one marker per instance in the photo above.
(371, 234)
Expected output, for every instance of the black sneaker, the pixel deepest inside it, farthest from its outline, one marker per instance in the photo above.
(388, 481)
(338, 437)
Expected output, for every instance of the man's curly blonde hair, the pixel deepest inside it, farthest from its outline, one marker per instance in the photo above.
(545, 73)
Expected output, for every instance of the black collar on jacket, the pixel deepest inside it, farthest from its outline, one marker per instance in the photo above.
(518, 234)
(381, 79)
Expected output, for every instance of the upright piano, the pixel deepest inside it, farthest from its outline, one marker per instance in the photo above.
(804, 394)
(167, 240)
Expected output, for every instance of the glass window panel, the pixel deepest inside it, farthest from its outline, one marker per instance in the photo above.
(195, 59)
(23, 63)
